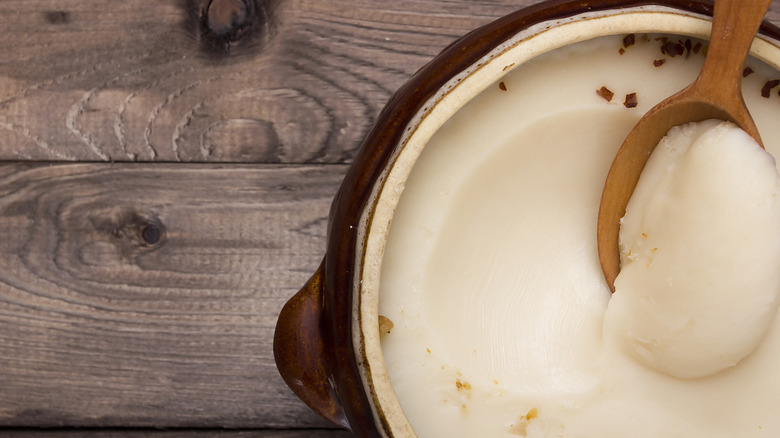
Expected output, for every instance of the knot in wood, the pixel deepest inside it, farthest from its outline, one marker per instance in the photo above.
(57, 17)
(151, 233)
(229, 26)
(227, 17)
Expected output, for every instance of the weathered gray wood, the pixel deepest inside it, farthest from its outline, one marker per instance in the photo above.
(132, 80)
(123, 81)
(194, 433)
(100, 328)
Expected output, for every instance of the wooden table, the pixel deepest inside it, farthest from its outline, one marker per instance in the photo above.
(167, 171)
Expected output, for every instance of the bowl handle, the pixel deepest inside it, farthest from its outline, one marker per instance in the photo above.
(300, 351)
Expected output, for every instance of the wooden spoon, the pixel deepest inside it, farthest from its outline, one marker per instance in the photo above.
(715, 94)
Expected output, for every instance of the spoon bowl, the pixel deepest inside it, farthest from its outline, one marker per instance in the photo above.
(715, 94)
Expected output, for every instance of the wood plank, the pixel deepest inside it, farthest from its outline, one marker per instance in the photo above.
(192, 433)
(94, 80)
(102, 326)
(136, 81)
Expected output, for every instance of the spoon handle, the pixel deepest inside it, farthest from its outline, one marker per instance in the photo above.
(734, 25)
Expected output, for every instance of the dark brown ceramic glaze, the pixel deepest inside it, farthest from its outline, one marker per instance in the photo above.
(301, 354)
(324, 369)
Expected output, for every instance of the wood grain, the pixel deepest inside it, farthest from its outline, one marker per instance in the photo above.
(100, 328)
(100, 80)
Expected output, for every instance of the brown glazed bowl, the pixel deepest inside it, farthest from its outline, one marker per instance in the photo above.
(326, 343)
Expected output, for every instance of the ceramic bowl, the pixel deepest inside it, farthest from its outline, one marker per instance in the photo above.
(327, 343)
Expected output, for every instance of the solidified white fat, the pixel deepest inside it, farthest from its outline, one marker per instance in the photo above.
(491, 273)
(700, 253)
